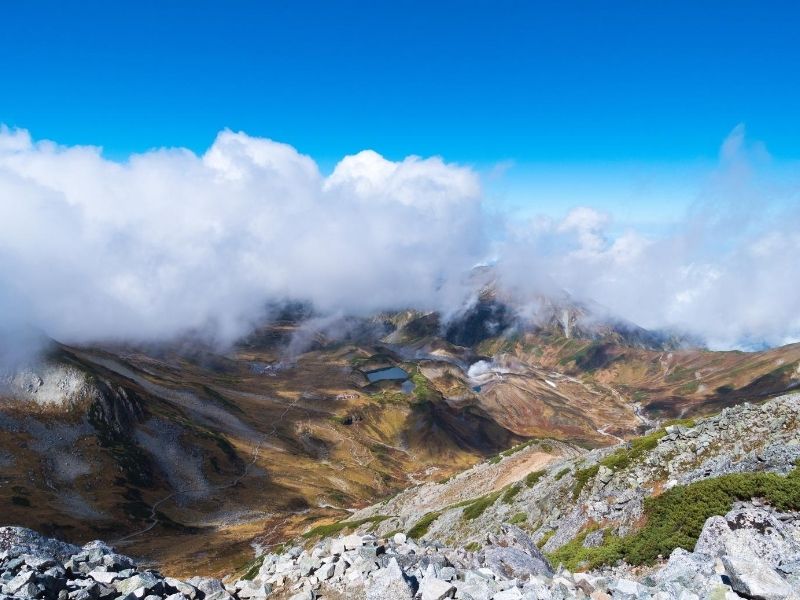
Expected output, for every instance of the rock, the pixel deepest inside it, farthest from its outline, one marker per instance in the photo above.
(604, 475)
(325, 571)
(516, 563)
(103, 576)
(389, 584)
(748, 530)
(399, 538)
(26, 541)
(17, 582)
(211, 588)
(184, 588)
(509, 594)
(146, 581)
(688, 570)
(482, 589)
(28, 590)
(337, 546)
(433, 588)
(625, 588)
(351, 542)
(754, 578)
(253, 590)
(516, 537)
(307, 564)
(593, 539)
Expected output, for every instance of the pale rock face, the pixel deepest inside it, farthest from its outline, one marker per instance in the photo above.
(733, 535)
(49, 385)
(753, 578)
(509, 594)
(435, 589)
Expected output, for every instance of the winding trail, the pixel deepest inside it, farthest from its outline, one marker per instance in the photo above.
(153, 517)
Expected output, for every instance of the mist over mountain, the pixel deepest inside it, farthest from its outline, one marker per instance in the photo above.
(169, 242)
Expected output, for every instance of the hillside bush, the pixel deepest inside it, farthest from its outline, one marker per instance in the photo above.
(675, 518)
(421, 528)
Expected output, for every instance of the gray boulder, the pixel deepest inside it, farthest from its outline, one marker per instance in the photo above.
(515, 563)
(433, 588)
(389, 584)
(748, 530)
(753, 578)
(211, 588)
(16, 541)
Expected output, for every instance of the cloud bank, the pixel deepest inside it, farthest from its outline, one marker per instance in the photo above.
(729, 272)
(169, 242)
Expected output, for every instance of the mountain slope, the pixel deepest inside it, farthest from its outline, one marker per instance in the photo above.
(185, 455)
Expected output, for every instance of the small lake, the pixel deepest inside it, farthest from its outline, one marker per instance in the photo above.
(390, 373)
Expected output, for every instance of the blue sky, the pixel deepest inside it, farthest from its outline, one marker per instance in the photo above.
(575, 101)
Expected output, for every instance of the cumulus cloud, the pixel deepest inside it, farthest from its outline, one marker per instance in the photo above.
(170, 241)
(728, 272)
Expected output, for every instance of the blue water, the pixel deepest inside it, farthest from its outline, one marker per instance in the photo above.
(476, 388)
(391, 373)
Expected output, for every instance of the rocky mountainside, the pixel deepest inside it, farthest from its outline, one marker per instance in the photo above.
(694, 510)
(602, 493)
(705, 509)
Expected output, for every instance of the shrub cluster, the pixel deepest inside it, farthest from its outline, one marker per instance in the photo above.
(675, 518)
(336, 528)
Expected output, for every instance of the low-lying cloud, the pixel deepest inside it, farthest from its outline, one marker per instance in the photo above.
(729, 272)
(169, 242)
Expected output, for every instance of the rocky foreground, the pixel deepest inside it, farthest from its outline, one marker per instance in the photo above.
(752, 552)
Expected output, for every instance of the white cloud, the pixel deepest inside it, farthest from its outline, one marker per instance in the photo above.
(730, 272)
(170, 241)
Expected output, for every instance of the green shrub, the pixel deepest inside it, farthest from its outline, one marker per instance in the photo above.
(335, 528)
(510, 492)
(632, 451)
(253, 569)
(675, 518)
(582, 477)
(561, 473)
(545, 538)
(574, 556)
(472, 547)
(533, 477)
(518, 518)
(476, 508)
(422, 387)
(421, 528)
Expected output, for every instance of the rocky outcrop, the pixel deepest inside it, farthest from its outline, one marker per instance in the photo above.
(56, 385)
(115, 409)
(606, 485)
(752, 552)
(33, 566)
